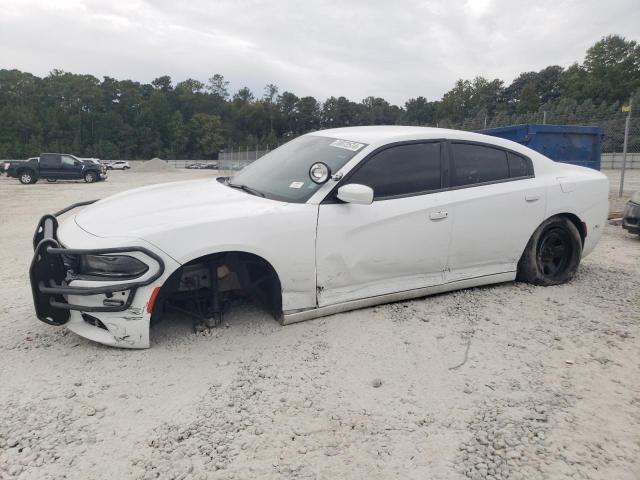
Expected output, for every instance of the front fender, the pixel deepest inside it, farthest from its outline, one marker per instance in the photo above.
(285, 238)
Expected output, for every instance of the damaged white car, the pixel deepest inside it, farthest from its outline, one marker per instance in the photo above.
(332, 221)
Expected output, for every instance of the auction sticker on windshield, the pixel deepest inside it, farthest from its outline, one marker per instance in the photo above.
(347, 145)
(296, 185)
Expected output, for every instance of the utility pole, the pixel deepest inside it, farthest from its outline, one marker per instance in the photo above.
(544, 117)
(624, 149)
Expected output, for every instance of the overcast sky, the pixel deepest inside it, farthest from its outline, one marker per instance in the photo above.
(393, 49)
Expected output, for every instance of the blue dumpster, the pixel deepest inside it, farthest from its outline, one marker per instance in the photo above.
(562, 143)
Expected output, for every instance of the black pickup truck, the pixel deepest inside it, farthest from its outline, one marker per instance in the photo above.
(55, 166)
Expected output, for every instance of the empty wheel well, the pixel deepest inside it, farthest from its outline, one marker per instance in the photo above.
(238, 273)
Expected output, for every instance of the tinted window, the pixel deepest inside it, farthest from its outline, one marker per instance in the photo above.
(518, 166)
(49, 161)
(478, 164)
(402, 170)
(68, 160)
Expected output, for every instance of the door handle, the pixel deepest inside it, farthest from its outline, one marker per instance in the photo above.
(532, 198)
(438, 215)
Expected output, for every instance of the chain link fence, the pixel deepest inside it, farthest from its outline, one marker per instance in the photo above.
(232, 160)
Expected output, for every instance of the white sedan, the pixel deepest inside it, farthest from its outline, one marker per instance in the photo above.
(331, 221)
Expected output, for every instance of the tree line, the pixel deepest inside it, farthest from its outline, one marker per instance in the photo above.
(110, 118)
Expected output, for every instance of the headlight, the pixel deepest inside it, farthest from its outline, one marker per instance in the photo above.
(118, 266)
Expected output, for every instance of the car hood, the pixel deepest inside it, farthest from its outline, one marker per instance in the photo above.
(141, 212)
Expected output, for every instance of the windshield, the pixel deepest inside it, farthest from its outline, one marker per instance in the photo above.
(283, 174)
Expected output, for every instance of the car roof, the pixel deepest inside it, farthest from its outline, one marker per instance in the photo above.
(377, 135)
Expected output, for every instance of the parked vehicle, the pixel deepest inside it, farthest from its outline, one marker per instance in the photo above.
(196, 166)
(118, 165)
(95, 161)
(631, 215)
(331, 221)
(53, 167)
(211, 166)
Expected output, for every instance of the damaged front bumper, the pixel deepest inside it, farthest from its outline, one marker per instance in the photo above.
(61, 295)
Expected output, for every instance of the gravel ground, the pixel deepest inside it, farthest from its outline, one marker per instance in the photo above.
(550, 387)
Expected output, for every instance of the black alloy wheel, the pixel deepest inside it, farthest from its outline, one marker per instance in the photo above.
(554, 252)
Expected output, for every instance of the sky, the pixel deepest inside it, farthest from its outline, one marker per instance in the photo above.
(395, 49)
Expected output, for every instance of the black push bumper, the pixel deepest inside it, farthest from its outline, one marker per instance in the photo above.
(631, 217)
(51, 271)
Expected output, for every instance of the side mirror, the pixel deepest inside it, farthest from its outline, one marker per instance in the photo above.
(356, 193)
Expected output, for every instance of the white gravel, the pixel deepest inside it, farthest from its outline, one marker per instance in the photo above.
(550, 388)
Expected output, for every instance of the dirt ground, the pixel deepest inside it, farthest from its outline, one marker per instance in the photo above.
(550, 388)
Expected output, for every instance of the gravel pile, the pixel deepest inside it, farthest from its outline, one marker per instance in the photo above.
(36, 434)
(507, 442)
(155, 165)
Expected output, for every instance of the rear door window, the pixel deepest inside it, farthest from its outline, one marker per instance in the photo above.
(402, 170)
(49, 161)
(518, 166)
(474, 164)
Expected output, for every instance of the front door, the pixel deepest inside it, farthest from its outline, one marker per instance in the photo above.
(70, 170)
(399, 242)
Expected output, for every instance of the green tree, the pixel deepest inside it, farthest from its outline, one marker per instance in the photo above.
(529, 101)
(218, 86)
(205, 135)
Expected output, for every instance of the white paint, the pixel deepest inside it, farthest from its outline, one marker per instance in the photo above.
(377, 249)
(339, 256)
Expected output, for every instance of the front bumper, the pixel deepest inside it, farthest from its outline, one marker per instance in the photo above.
(631, 217)
(50, 274)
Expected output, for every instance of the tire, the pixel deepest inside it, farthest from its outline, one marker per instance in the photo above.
(90, 177)
(26, 177)
(126, 168)
(52, 180)
(552, 255)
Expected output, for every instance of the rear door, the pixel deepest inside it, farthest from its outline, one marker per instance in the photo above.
(50, 166)
(497, 203)
(397, 243)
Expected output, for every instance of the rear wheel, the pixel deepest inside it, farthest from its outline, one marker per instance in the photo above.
(51, 180)
(552, 255)
(90, 177)
(26, 177)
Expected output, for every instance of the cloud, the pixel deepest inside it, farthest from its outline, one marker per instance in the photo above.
(394, 49)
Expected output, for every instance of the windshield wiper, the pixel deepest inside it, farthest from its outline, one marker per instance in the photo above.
(250, 190)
